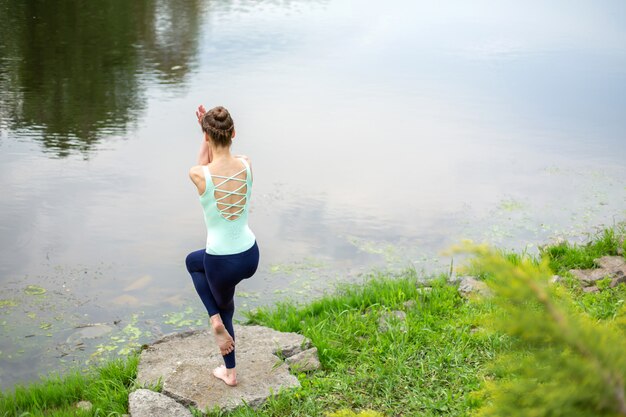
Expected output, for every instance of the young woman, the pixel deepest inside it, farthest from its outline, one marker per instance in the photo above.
(224, 183)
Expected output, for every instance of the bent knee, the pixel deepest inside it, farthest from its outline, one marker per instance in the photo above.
(195, 261)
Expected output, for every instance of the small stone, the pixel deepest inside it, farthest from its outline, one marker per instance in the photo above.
(424, 290)
(556, 279)
(621, 279)
(589, 276)
(470, 285)
(390, 319)
(88, 331)
(423, 284)
(410, 304)
(146, 403)
(455, 280)
(304, 361)
(126, 299)
(610, 262)
(591, 289)
(84, 405)
(401, 315)
(288, 350)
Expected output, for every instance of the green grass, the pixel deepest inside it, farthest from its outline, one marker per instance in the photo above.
(427, 365)
(107, 388)
(433, 363)
(566, 256)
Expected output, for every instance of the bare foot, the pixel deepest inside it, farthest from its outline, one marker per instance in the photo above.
(229, 376)
(224, 339)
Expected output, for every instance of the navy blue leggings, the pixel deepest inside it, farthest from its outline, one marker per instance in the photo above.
(215, 278)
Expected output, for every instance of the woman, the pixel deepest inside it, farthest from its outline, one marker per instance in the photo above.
(224, 184)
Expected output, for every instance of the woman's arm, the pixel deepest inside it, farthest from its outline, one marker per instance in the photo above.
(204, 155)
(197, 177)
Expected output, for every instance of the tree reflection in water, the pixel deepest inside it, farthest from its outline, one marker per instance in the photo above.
(75, 72)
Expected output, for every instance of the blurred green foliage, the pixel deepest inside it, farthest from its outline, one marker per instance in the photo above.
(562, 360)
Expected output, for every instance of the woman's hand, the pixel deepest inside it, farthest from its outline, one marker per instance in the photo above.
(205, 156)
(200, 114)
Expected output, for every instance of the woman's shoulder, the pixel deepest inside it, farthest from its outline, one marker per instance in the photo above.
(196, 173)
(245, 158)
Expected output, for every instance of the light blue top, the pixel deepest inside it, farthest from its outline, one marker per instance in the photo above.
(227, 233)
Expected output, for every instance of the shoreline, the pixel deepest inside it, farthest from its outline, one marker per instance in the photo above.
(366, 302)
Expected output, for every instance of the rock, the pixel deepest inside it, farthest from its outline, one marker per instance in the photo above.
(470, 285)
(589, 277)
(454, 280)
(611, 262)
(139, 284)
(424, 290)
(304, 361)
(293, 348)
(84, 405)
(409, 305)
(88, 331)
(184, 362)
(126, 299)
(389, 320)
(591, 289)
(146, 403)
(556, 279)
(621, 279)
(609, 267)
(423, 282)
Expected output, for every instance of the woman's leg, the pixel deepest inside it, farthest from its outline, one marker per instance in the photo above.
(223, 274)
(195, 266)
(222, 282)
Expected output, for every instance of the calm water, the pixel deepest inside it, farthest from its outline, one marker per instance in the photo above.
(379, 136)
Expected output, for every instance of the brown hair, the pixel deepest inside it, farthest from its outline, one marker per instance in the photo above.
(218, 124)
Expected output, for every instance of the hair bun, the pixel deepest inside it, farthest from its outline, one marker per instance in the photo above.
(221, 114)
(219, 125)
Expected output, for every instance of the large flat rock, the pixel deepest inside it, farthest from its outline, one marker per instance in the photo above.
(185, 361)
(613, 267)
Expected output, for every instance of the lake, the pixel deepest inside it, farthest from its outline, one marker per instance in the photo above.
(380, 134)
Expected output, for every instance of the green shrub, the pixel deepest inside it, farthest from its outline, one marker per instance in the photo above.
(562, 362)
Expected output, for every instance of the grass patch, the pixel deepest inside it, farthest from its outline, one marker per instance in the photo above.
(106, 387)
(566, 256)
(605, 304)
(425, 365)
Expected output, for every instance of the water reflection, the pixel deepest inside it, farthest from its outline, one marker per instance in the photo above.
(75, 72)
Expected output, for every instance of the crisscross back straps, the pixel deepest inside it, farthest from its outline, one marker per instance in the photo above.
(233, 210)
